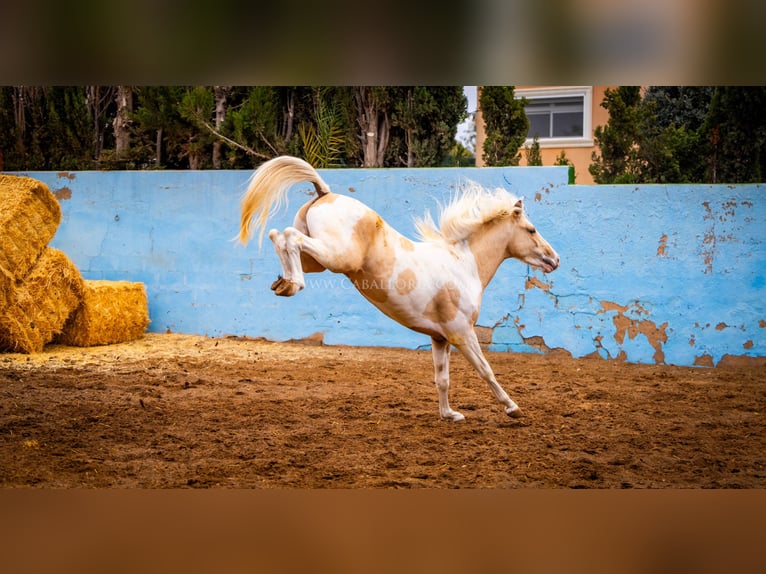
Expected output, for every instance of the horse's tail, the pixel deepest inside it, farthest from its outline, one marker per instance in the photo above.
(267, 189)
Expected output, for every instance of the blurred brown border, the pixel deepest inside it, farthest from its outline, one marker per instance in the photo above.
(454, 42)
(382, 531)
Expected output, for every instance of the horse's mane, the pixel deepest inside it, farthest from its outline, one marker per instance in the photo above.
(471, 207)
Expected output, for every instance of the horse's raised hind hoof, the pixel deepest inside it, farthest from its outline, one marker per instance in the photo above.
(284, 288)
(514, 413)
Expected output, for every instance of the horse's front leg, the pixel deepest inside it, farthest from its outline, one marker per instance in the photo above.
(441, 351)
(291, 281)
(472, 351)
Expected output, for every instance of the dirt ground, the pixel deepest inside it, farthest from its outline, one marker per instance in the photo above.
(172, 411)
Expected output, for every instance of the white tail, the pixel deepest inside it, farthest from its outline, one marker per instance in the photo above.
(267, 188)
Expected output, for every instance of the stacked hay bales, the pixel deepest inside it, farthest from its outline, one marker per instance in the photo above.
(42, 294)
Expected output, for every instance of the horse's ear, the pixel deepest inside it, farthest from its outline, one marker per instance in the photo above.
(518, 207)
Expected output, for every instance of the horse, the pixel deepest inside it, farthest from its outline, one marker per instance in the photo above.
(433, 286)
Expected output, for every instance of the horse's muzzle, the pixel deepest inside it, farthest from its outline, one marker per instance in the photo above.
(549, 263)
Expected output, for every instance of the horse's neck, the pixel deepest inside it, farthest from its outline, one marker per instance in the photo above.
(488, 246)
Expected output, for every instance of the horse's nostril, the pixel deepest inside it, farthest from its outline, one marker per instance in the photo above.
(553, 262)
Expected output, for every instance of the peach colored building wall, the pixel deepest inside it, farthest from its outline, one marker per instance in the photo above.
(579, 152)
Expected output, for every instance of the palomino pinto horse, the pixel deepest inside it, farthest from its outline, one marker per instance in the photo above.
(433, 286)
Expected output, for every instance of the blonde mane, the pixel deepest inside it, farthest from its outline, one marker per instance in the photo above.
(470, 208)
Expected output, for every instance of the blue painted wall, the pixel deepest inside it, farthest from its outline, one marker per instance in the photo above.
(653, 274)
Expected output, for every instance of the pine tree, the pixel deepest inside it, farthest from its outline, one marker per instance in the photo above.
(534, 157)
(506, 125)
(424, 122)
(674, 143)
(735, 129)
(618, 160)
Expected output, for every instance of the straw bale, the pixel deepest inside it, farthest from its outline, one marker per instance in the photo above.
(41, 303)
(29, 217)
(110, 312)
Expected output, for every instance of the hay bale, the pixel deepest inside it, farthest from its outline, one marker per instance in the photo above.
(40, 305)
(110, 312)
(29, 217)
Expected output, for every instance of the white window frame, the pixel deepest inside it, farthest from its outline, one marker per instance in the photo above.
(586, 93)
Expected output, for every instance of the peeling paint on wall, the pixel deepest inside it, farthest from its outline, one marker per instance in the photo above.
(723, 226)
(63, 193)
(533, 282)
(662, 248)
(627, 321)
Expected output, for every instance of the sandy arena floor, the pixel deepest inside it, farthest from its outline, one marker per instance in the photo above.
(186, 411)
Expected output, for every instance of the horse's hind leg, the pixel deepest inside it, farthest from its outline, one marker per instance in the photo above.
(472, 351)
(441, 351)
(291, 281)
(295, 249)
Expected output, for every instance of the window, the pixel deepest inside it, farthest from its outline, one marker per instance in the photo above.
(555, 117)
(559, 116)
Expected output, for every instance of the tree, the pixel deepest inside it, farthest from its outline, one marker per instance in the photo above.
(25, 101)
(101, 103)
(122, 121)
(680, 105)
(634, 146)
(158, 127)
(506, 125)
(459, 156)
(424, 122)
(220, 93)
(198, 135)
(618, 161)
(676, 115)
(67, 129)
(401, 151)
(534, 157)
(735, 130)
(247, 127)
(563, 160)
(322, 140)
(45, 128)
(372, 104)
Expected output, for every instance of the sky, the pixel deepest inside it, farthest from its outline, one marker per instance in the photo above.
(466, 131)
(470, 93)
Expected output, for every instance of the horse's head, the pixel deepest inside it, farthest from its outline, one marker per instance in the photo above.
(526, 244)
(494, 223)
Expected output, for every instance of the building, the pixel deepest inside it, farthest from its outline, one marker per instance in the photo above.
(564, 119)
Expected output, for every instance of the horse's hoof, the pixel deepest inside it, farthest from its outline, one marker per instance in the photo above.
(285, 288)
(277, 283)
(514, 412)
(453, 417)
